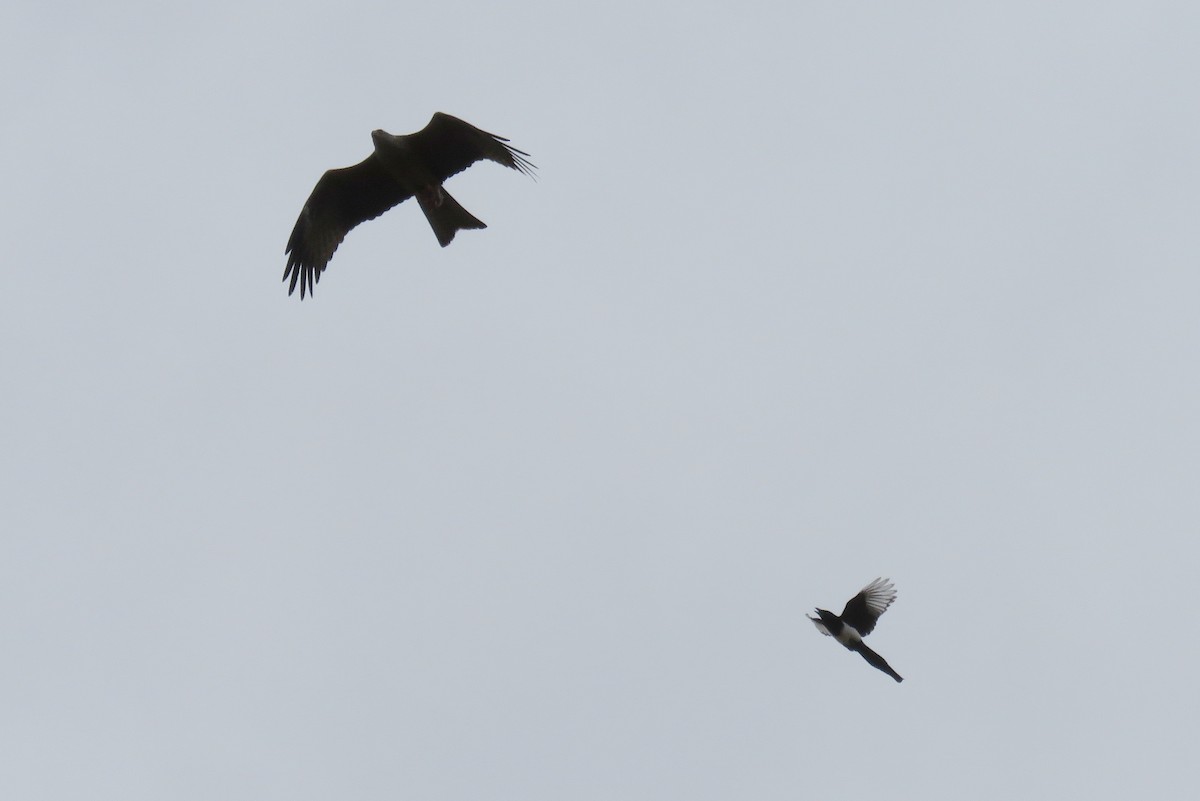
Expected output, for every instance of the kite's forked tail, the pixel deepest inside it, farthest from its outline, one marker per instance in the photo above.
(445, 215)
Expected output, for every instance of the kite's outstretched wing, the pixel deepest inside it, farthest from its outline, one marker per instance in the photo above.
(449, 145)
(341, 200)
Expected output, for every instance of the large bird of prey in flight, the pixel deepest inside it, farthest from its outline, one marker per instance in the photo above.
(400, 167)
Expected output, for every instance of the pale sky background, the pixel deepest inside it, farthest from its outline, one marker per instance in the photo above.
(805, 294)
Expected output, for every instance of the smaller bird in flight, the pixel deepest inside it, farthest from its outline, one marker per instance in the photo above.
(401, 167)
(858, 620)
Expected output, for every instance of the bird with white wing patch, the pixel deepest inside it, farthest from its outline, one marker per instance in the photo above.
(858, 620)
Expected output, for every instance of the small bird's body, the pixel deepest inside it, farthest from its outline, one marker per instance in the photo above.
(858, 620)
(401, 167)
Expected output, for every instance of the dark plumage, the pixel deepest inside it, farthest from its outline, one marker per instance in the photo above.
(400, 167)
(858, 620)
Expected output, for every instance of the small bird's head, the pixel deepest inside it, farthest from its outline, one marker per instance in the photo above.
(825, 621)
(379, 135)
(825, 616)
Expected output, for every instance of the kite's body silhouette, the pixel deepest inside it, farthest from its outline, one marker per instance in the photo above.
(401, 167)
(858, 620)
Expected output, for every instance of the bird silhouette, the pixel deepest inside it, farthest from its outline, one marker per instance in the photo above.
(400, 167)
(858, 620)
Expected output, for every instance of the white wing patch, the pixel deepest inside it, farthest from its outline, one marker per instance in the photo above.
(879, 595)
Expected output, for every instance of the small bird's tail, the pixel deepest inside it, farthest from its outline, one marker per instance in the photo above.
(445, 215)
(876, 661)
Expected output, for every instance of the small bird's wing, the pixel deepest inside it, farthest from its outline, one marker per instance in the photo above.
(448, 145)
(341, 200)
(864, 609)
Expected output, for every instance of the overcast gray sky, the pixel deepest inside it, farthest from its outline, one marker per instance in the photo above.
(806, 293)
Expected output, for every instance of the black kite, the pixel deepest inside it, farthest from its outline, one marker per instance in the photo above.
(400, 167)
